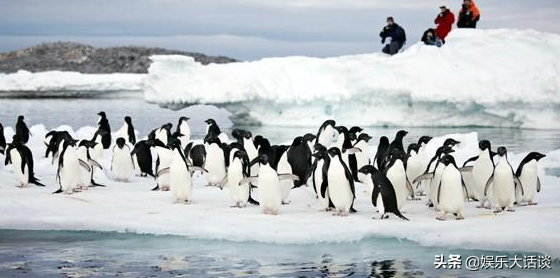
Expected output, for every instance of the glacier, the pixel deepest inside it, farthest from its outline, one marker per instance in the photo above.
(494, 78)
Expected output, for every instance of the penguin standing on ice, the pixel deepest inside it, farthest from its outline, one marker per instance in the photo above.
(184, 130)
(417, 161)
(122, 165)
(528, 174)
(88, 164)
(503, 182)
(450, 197)
(326, 133)
(215, 162)
(397, 142)
(396, 173)
(381, 154)
(383, 196)
(103, 124)
(22, 130)
(142, 155)
(482, 169)
(162, 134)
(163, 161)
(213, 130)
(2, 140)
(319, 171)
(180, 174)
(21, 158)
(53, 139)
(238, 170)
(127, 131)
(362, 157)
(284, 167)
(299, 157)
(340, 184)
(344, 144)
(68, 172)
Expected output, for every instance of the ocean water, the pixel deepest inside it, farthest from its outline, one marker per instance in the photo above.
(45, 254)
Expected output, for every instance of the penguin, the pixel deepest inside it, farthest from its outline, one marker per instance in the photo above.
(383, 195)
(354, 132)
(344, 144)
(299, 158)
(88, 164)
(98, 136)
(362, 157)
(284, 167)
(381, 154)
(22, 131)
(249, 147)
(2, 140)
(418, 162)
(103, 124)
(180, 174)
(504, 183)
(142, 155)
(21, 158)
(122, 165)
(213, 130)
(396, 173)
(326, 133)
(482, 169)
(127, 131)
(528, 174)
(162, 134)
(397, 142)
(450, 195)
(268, 181)
(196, 154)
(163, 161)
(340, 184)
(184, 130)
(319, 171)
(239, 169)
(430, 178)
(263, 147)
(68, 172)
(53, 139)
(215, 162)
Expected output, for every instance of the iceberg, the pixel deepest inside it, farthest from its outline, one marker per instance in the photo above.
(65, 83)
(494, 78)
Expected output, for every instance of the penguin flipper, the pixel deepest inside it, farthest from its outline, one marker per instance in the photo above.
(251, 200)
(224, 182)
(517, 182)
(248, 180)
(36, 182)
(466, 169)
(399, 214)
(465, 187)
(95, 184)
(410, 189)
(538, 184)
(488, 183)
(84, 165)
(352, 209)
(95, 164)
(438, 191)
(155, 188)
(353, 150)
(469, 160)
(58, 191)
(324, 186)
(288, 177)
(162, 171)
(427, 176)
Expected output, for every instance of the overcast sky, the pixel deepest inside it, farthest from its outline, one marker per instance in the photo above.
(247, 29)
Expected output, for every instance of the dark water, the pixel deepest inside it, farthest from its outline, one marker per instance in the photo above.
(78, 112)
(89, 254)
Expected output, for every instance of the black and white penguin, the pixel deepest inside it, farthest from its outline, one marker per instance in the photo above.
(528, 174)
(184, 130)
(397, 143)
(344, 144)
(21, 158)
(299, 157)
(180, 174)
(238, 170)
(381, 154)
(127, 131)
(383, 196)
(163, 161)
(97, 152)
(354, 132)
(53, 139)
(162, 133)
(450, 194)
(213, 130)
(326, 133)
(417, 162)
(142, 155)
(340, 184)
(503, 182)
(68, 172)
(122, 165)
(196, 154)
(263, 147)
(88, 164)
(319, 171)
(2, 140)
(430, 178)
(103, 124)
(215, 162)
(482, 169)
(363, 157)
(22, 131)
(396, 173)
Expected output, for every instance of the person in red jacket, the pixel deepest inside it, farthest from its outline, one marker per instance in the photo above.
(444, 22)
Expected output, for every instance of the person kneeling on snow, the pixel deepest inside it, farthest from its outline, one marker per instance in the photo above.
(468, 15)
(429, 38)
(393, 36)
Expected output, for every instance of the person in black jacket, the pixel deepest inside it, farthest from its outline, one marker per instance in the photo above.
(397, 37)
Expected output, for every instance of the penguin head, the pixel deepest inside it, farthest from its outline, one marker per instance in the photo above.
(364, 137)
(413, 147)
(396, 154)
(384, 141)
(70, 142)
(237, 134)
(174, 143)
(536, 156)
(450, 142)
(241, 154)
(210, 122)
(443, 150)
(320, 151)
(20, 118)
(326, 123)
(368, 169)
(355, 129)
(309, 137)
(183, 119)
(247, 135)
(262, 159)
(176, 135)
(424, 140)
(121, 142)
(447, 159)
(401, 133)
(167, 126)
(128, 120)
(484, 145)
(334, 152)
(258, 141)
(502, 151)
(211, 139)
(87, 143)
(155, 143)
(102, 114)
(16, 140)
(341, 129)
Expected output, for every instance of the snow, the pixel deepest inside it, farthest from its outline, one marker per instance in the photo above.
(498, 77)
(61, 83)
(132, 207)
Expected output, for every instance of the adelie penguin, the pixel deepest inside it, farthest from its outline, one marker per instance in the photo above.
(87, 163)
(122, 165)
(163, 161)
(381, 154)
(127, 131)
(103, 124)
(396, 173)
(215, 162)
(284, 167)
(2, 140)
(22, 130)
(180, 174)
(528, 174)
(184, 130)
(417, 161)
(348, 152)
(482, 169)
(504, 183)
(450, 194)
(340, 184)
(325, 134)
(68, 172)
(142, 156)
(238, 170)
(362, 157)
(398, 141)
(268, 181)
(53, 139)
(299, 157)
(21, 158)
(319, 171)
(383, 196)
(213, 130)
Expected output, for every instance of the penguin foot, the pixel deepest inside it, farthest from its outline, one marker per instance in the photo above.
(510, 209)
(480, 206)
(440, 218)
(384, 216)
(531, 203)
(285, 203)
(498, 210)
(336, 213)
(459, 216)
(416, 199)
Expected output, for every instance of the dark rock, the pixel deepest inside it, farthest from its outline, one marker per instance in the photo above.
(68, 56)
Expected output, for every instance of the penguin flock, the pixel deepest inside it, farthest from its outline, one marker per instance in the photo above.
(333, 162)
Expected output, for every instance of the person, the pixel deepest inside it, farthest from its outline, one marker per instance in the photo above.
(469, 15)
(394, 35)
(429, 38)
(444, 22)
